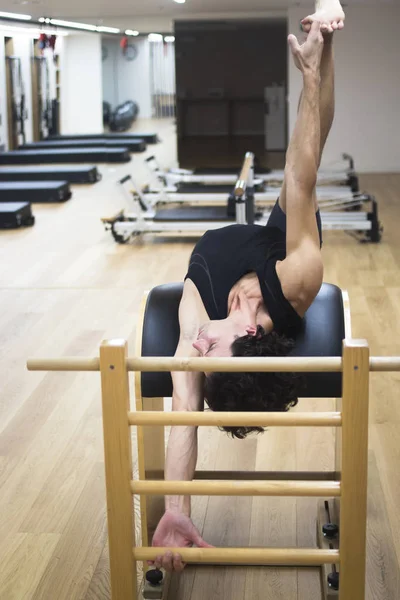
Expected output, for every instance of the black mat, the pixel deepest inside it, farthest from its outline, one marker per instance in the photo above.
(15, 214)
(201, 188)
(35, 191)
(133, 145)
(149, 138)
(194, 213)
(229, 171)
(76, 174)
(102, 155)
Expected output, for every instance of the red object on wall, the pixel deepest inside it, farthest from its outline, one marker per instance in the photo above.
(124, 44)
(52, 41)
(42, 43)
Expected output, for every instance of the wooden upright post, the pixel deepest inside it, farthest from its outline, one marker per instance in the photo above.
(153, 460)
(118, 463)
(354, 471)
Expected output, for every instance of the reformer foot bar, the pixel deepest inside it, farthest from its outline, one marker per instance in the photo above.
(351, 421)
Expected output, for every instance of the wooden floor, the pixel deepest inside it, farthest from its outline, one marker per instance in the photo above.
(65, 286)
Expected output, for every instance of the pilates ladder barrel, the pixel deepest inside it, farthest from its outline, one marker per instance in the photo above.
(351, 419)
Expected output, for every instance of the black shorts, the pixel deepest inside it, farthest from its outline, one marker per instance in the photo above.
(278, 219)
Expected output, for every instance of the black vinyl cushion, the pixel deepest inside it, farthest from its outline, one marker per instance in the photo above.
(35, 191)
(322, 335)
(203, 188)
(57, 155)
(15, 214)
(194, 213)
(149, 138)
(70, 173)
(133, 145)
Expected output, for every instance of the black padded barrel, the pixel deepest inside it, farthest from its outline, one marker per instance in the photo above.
(322, 335)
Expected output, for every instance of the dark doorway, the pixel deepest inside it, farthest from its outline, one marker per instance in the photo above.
(225, 74)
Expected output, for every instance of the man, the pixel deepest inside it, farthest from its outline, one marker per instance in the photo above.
(248, 287)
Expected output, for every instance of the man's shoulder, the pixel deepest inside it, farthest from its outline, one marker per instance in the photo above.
(191, 311)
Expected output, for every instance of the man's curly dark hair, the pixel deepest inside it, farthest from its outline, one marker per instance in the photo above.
(245, 392)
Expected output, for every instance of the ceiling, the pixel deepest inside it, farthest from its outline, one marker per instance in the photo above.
(122, 13)
(119, 8)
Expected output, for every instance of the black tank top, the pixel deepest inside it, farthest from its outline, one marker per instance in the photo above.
(223, 256)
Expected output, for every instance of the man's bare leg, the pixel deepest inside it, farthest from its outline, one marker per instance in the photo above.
(332, 11)
(327, 90)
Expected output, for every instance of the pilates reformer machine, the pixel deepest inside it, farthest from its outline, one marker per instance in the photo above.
(345, 175)
(334, 366)
(150, 198)
(143, 216)
(200, 193)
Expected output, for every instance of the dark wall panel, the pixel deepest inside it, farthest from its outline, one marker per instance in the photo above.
(222, 70)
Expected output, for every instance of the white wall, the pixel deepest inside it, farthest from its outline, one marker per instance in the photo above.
(23, 47)
(110, 71)
(367, 122)
(81, 84)
(127, 80)
(162, 67)
(3, 99)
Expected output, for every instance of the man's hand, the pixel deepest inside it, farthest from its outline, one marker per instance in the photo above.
(307, 57)
(175, 530)
(330, 15)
